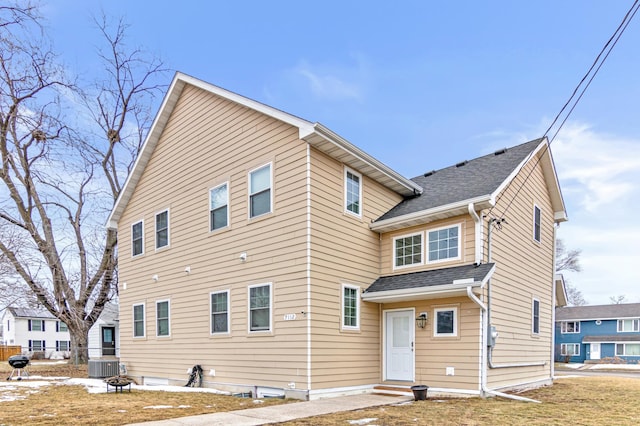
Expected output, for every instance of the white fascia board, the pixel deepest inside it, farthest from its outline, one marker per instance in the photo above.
(419, 293)
(601, 319)
(344, 144)
(426, 214)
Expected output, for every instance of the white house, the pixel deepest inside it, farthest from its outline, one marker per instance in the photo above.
(104, 336)
(38, 332)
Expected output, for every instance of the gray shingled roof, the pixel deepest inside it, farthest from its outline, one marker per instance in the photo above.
(475, 178)
(29, 313)
(431, 278)
(623, 310)
(611, 338)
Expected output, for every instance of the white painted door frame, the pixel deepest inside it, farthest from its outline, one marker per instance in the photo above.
(399, 344)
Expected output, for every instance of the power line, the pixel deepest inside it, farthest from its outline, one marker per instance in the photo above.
(581, 88)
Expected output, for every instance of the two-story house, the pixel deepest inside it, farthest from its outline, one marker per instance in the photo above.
(283, 259)
(593, 333)
(39, 333)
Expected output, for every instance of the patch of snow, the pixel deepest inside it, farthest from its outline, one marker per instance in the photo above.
(362, 421)
(99, 386)
(258, 401)
(184, 406)
(572, 365)
(635, 367)
(157, 407)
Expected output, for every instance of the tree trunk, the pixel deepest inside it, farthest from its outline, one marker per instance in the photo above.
(79, 345)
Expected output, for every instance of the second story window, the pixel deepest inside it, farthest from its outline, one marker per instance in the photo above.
(137, 239)
(628, 325)
(408, 250)
(219, 207)
(36, 325)
(570, 327)
(260, 191)
(537, 223)
(162, 229)
(352, 192)
(61, 327)
(444, 244)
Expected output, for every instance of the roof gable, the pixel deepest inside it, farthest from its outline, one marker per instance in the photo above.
(313, 133)
(448, 192)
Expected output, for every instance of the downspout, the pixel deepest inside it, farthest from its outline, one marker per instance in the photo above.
(478, 232)
(553, 305)
(489, 357)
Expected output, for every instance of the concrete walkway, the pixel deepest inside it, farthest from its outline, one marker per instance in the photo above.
(284, 412)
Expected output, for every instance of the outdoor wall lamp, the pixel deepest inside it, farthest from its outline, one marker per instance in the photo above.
(421, 320)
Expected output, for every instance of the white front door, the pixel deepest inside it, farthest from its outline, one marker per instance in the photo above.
(399, 345)
(595, 351)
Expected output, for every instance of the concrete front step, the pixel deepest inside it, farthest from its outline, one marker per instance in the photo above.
(393, 390)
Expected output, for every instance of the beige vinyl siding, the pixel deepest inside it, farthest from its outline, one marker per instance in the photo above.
(524, 272)
(345, 251)
(434, 354)
(466, 239)
(209, 140)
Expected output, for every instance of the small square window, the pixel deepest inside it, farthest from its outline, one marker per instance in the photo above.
(444, 244)
(408, 250)
(446, 322)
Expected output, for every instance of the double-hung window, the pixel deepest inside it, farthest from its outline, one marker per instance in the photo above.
(537, 223)
(570, 327)
(61, 327)
(444, 244)
(535, 317)
(352, 192)
(162, 318)
(62, 345)
(138, 320)
(628, 325)
(37, 345)
(220, 312)
(570, 349)
(260, 307)
(446, 322)
(36, 325)
(408, 250)
(219, 207)
(137, 238)
(260, 191)
(162, 229)
(350, 307)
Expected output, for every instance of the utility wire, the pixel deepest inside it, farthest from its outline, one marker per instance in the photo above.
(582, 88)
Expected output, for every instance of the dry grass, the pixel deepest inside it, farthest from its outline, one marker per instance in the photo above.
(65, 404)
(580, 401)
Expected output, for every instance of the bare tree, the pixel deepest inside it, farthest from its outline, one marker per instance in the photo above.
(569, 261)
(66, 149)
(617, 300)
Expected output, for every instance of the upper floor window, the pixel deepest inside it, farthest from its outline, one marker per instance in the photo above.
(570, 327)
(535, 317)
(61, 327)
(162, 229)
(36, 325)
(260, 307)
(162, 318)
(137, 238)
(350, 307)
(220, 312)
(219, 207)
(444, 244)
(537, 221)
(352, 192)
(408, 250)
(628, 325)
(446, 322)
(138, 320)
(260, 191)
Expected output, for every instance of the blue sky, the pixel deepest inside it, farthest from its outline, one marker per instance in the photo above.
(422, 85)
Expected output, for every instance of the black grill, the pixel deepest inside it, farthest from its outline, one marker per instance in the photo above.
(18, 361)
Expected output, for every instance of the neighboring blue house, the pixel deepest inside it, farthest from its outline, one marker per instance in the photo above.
(592, 333)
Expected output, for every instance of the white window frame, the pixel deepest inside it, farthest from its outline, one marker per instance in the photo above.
(34, 321)
(624, 349)
(635, 325)
(343, 317)
(448, 259)
(168, 302)
(537, 225)
(251, 193)
(535, 320)
(144, 320)
(227, 312)
(155, 224)
(270, 328)
(133, 254)
(347, 170)
(564, 327)
(226, 204)
(455, 321)
(59, 345)
(395, 250)
(563, 349)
